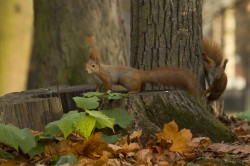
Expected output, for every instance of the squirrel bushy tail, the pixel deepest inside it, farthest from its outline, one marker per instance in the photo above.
(213, 51)
(173, 76)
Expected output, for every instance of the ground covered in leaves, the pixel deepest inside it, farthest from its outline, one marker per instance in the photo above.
(170, 147)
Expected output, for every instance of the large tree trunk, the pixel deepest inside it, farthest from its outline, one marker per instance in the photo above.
(15, 44)
(61, 28)
(169, 33)
(166, 32)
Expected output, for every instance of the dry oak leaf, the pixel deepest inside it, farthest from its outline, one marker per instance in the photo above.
(61, 148)
(126, 148)
(94, 146)
(242, 149)
(181, 141)
(135, 134)
(201, 141)
(219, 147)
(145, 156)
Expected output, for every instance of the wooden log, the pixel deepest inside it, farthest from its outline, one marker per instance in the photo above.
(35, 108)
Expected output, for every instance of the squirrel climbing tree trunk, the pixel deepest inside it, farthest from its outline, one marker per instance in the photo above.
(60, 49)
(167, 33)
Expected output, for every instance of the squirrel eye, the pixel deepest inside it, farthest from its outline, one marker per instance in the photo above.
(93, 65)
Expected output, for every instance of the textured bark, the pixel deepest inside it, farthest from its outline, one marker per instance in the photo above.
(153, 109)
(166, 32)
(60, 50)
(34, 109)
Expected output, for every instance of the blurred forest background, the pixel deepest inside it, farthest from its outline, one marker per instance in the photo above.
(43, 42)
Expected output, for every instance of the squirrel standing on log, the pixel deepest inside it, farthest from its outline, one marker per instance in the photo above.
(134, 80)
(212, 62)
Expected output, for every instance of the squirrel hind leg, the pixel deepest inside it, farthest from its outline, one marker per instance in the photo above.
(132, 85)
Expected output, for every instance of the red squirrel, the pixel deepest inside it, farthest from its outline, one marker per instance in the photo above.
(213, 58)
(134, 79)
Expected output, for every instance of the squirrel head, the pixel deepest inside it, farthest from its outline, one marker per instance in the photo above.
(219, 71)
(93, 64)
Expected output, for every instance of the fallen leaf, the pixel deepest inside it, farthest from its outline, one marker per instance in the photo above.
(210, 164)
(242, 149)
(116, 162)
(201, 141)
(219, 147)
(163, 163)
(61, 148)
(181, 140)
(135, 134)
(94, 145)
(130, 147)
(144, 155)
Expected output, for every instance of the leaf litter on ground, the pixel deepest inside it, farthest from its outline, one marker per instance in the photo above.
(169, 147)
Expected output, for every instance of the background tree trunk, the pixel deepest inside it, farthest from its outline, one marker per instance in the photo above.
(242, 44)
(60, 50)
(166, 32)
(15, 43)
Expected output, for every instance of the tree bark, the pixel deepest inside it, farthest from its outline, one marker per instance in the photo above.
(60, 49)
(167, 33)
(153, 109)
(35, 108)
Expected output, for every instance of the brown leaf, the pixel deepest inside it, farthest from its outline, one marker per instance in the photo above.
(201, 141)
(61, 148)
(144, 155)
(19, 161)
(163, 163)
(242, 149)
(130, 147)
(114, 147)
(210, 164)
(219, 147)
(135, 134)
(94, 145)
(181, 140)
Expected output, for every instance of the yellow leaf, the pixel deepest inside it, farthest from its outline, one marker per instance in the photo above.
(181, 141)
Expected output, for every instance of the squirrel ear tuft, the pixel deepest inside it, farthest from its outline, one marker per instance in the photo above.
(225, 63)
(97, 60)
